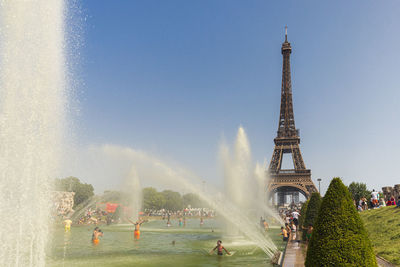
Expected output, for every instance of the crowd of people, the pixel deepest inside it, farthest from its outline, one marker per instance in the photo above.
(377, 200)
(188, 212)
(291, 219)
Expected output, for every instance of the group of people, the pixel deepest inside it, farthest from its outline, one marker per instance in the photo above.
(289, 231)
(377, 201)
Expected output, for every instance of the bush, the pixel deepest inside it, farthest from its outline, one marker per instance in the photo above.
(339, 237)
(312, 211)
(303, 212)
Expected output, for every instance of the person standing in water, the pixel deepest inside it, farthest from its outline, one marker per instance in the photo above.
(67, 225)
(201, 221)
(95, 236)
(219, 249)
(266, 226)
(137, 224)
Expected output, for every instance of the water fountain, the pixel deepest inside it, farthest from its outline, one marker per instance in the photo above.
(245, 182)
(32, 119)
(152, 169)
(133, 190)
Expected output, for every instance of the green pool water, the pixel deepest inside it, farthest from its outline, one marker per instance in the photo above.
(118, 248)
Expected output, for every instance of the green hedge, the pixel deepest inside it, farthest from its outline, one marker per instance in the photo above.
(303, 212)
(312, 211)
(339, 237)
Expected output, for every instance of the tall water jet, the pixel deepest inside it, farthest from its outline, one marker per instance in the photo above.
(245, 182)
(133, 190)
(32, 117)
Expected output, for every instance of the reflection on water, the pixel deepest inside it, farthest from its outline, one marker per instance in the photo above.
(155, 247)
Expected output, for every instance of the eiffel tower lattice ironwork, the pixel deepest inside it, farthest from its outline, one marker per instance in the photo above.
(292, 181)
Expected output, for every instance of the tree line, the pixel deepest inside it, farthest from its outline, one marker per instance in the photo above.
(151, 198)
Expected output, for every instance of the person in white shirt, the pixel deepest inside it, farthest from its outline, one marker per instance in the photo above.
(295, 216)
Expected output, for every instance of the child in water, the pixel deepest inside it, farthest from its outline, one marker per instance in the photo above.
(219, 248)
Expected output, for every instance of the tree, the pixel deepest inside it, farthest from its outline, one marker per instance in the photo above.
(152, 200)
(173, 200)
(359, 190)
(312, 211)
(83, 192)
(339, 237)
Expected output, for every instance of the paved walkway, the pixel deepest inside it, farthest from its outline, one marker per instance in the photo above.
(293, 255)
(384, 263)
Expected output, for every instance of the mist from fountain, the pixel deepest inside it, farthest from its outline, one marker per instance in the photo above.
(133, 190)
(32, 120)
(245, 182)
(153, 170)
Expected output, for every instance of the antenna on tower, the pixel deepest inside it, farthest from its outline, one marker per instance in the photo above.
(286, 33)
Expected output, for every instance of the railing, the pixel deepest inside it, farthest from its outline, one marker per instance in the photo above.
(294, 171)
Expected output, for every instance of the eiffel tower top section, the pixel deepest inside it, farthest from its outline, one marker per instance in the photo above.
(286, 128)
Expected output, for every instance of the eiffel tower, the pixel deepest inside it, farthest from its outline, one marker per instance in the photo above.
(291, 181)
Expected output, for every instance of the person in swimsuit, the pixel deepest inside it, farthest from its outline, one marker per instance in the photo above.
(95, 236)
(180, 221)
(266, 226)
(219, 249)
(201, 221)
(67, 224)
(137, 224)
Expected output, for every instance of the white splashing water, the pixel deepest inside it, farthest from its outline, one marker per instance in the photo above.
(153, 170)
(245, 182)
(133, 189)
(32, 117)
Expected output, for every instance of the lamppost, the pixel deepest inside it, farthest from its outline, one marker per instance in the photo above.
(319, 185)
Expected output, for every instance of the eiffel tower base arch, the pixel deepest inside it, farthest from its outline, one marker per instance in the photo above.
(290, 184)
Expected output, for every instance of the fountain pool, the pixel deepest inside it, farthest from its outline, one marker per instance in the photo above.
(118, 248)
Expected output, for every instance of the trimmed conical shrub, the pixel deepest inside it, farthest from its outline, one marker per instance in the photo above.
(339, 237)
(303, 212)
(312, 212)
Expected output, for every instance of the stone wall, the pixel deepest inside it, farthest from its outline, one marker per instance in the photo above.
(389, 192)
(63, 202)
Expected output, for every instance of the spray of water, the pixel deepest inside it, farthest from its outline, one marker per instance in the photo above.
(32, 117)
(245, 182)
(153, 170)
(133, 191)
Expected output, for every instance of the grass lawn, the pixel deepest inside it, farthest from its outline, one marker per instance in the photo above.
(383, 227)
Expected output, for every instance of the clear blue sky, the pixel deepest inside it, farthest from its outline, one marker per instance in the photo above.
(173, 77)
